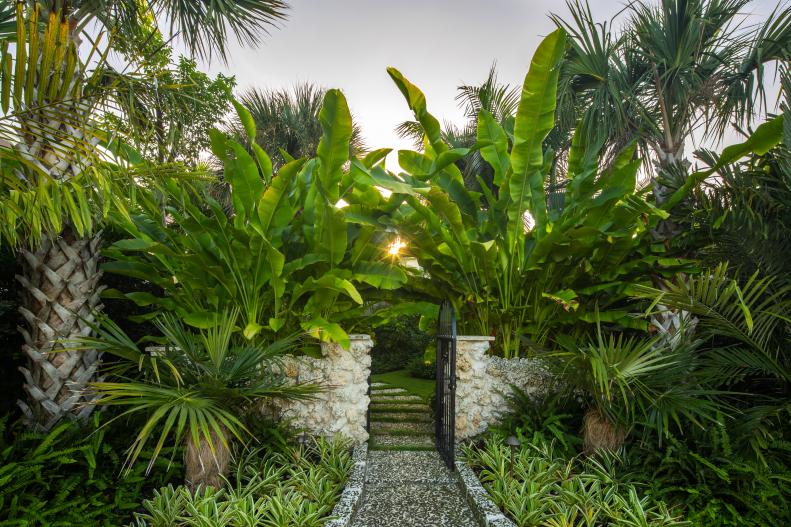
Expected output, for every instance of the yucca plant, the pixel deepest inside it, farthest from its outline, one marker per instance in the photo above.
(197, 389)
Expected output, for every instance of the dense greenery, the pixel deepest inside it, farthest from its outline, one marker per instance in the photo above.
(662, 309)
(512, 263)
(547, 488)
(397, 344)
(298, 486)
(289, 257)
(71, 475)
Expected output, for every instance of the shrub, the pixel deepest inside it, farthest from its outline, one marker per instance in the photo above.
(70, 476)
(397, 343)
(550, 489)
(422, 368)
(715, 485)
(298, 486)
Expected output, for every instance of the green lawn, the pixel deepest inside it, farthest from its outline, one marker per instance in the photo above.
(401, 379)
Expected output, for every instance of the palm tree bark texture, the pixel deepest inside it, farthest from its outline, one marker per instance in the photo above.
(61, 292)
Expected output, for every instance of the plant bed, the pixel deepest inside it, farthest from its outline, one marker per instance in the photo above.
(547, 487)
(298, 486)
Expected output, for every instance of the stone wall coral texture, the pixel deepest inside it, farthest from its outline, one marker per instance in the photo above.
(341, 407)
(483, 384)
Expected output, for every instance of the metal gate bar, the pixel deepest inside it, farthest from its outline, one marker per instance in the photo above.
(445, 418)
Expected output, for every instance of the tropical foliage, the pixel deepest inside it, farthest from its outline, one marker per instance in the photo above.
(287, 123)
(545, 488)
(197, 388)
(664, 69)
(292, 256)
(516, 262)
(298, 486)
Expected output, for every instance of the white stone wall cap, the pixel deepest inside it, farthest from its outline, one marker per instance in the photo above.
(359, 336)
(475, 338)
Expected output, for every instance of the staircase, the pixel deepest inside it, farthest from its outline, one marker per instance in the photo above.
(399, 420)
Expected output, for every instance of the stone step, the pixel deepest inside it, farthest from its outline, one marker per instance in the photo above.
(379, 384)
(402, 428)
(396, 398)
(389, 391)
(395, 442)
(400, 407)
(373, 447)
(397, 417)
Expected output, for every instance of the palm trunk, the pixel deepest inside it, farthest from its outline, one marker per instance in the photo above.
(60, 295)
(668, 323)
(60, 278)
(206, 467)
(600, 434)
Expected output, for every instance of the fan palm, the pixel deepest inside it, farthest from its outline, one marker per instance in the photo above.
(676, 67)
(629, 378)
(287, 122)
(743, 328)
(53, 172)
(196, 389)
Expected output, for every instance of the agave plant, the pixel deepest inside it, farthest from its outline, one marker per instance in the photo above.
(195, 390)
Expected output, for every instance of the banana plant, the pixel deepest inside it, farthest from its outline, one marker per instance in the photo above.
(299, 251)
(512, 265)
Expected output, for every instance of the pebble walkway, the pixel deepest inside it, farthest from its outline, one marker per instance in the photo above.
(407, 484)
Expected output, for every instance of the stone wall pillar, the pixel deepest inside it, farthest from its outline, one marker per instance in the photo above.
(341, 407)
(472, 385)
(484, 384)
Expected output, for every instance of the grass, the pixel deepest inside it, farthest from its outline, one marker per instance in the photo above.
(423, 388)
(377, 418)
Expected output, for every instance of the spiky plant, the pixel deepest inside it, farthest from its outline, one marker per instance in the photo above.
(197, 389)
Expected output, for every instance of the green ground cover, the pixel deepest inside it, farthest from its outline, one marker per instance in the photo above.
(423, 388)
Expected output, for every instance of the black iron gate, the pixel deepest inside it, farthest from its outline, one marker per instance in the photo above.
(446, 384)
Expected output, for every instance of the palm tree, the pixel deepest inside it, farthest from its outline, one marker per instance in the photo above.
(197, 389)
(675, 68)
(49, 118)
(287, 122)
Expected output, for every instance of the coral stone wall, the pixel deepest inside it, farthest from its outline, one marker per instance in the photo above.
(483, 384)
(341, 407)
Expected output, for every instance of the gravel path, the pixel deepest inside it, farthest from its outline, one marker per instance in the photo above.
(407, 484)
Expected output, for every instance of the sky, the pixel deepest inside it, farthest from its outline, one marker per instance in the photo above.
(436, 44)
